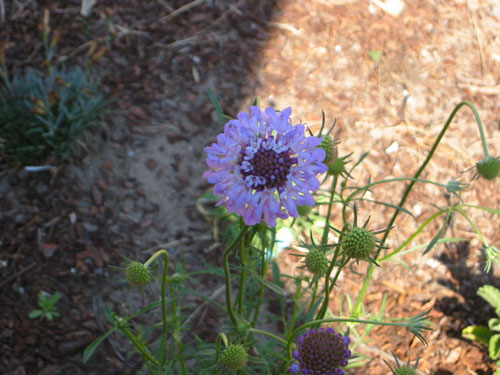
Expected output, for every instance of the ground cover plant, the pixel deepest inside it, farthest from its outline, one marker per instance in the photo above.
(265, 171)
(44, 113)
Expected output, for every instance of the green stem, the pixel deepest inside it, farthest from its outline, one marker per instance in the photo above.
(255, 330)
(324, 305)
(183, 362)
(298, 286)
(163, 292)
(344, 261)
(324, 239)
(220, 337)
(244, 256)
(263, 270)
(369, 272)
(140, 347)
(227, 273)
(315, 290)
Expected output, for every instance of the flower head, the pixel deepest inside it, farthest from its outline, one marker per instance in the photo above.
(316, 262)
(321, 352)
(138, 274)
(235, 357)
(404, 369)
(359, 243)
(489, 168)
(263, 167)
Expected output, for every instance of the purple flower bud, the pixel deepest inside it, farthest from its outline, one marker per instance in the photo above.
(294, 368)
(321, 352)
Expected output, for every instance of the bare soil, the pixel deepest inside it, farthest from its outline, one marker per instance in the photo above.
(135, 185)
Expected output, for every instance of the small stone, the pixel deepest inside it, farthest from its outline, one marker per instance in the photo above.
(454, 355)
(151, 164)
(48, 249)
(90, 227)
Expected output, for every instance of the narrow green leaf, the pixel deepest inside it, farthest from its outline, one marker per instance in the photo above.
(494, 324)
(495, 211)
(436, 238)
(395, 206)
(491, 295)
(494, 347)
(35, 314)
(479, 334)
(275, 288)
(89, 350)
(216, 105)
(276, 273)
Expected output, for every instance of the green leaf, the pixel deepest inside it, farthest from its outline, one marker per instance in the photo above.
(375, 55)
(54, 298)
(487, 209)
(494, 347)
(491, 295)
(494, 324)
(89, 350)
(436, 238)
(275, 288)
(216, 105)
(35, 314)
(479, 334)
(276, 274)
(48, 315)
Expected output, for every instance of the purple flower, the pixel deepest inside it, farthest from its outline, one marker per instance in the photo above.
(263, 167)
(321, 352)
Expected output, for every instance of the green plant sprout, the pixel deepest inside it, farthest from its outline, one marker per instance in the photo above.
(489, 335)
(265, 171)
(48, 306)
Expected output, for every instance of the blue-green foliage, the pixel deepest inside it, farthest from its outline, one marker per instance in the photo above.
(44, 114)
(488, 335)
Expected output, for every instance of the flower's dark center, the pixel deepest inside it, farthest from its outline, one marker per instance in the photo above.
(266, 168)
(323, 352)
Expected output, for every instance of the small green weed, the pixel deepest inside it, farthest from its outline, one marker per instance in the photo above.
(488, 335)
(48, 308)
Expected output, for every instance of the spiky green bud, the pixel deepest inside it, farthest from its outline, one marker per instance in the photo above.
(336, 166)
(328, 144)
(316, 262)
(405, 370)
(489, 168)
(137, 274)
(234, 357)
(359, 243)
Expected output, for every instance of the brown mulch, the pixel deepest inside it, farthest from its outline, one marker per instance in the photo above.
(136, 184)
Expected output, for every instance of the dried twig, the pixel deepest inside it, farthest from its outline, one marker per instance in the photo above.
(182, 9)
(477, 34)
(17, 274)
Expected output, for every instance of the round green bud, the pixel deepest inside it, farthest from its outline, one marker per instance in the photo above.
(316, 262)
(234, 357)
(336, 166)
(304, 210)
(359, 243)
(328, 144)
(178, 278)
(405, 370)
(242, 327)
(137, 274)
(489, 168)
